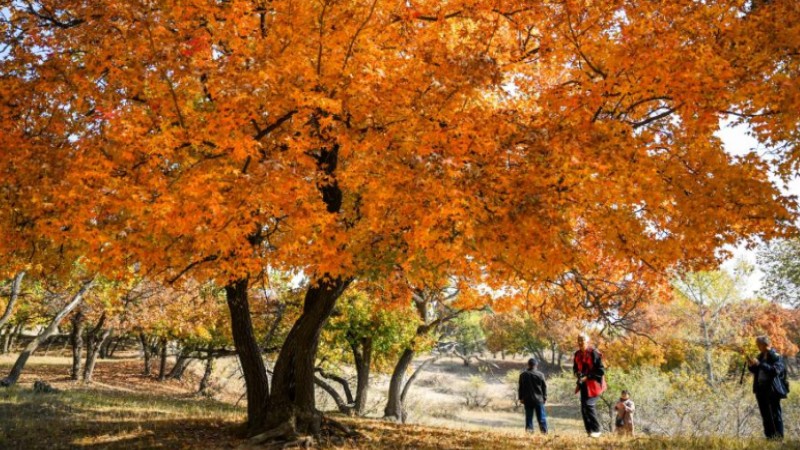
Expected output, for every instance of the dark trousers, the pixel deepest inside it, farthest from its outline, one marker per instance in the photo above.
(589, 411)
(541, 416)
(769, 405)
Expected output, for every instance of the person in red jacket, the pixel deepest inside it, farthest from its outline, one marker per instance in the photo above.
(589, 371)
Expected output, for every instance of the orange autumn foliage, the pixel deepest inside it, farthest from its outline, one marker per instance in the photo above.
(487, 140)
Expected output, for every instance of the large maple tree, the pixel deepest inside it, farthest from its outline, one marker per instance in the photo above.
(493, 140)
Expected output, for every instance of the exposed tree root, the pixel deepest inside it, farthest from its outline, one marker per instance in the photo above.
(286, 435)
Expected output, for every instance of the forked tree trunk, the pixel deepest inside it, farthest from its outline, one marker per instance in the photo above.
(146, 353)
(292, 397)
(181, 364)
(91, 356)
(253, 368)
(16, 287)
(51, 329)
(76, 338)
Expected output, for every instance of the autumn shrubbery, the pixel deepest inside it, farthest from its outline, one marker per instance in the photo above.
(680, 403)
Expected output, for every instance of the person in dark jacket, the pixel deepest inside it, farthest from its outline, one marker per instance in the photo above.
(587, 365)
(533, 395)
(768, 386)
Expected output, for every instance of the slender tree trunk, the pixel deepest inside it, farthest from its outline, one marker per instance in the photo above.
(292, 397)
(105, 345)
(51, 329)
(341, 404)
(145, 353)
(91, 356)
(179, 368)
(410, 382)
(253, 368)
(162, 368)
(206, 380)
(17, 335)
(394, 404)
(7, 338)
(76, 338)
(16, 287)
(113, 349)
(708, 349)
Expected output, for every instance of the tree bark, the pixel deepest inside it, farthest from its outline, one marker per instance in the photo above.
(343, 407)
(16, 287)
(113, 349)
(92, 354)
(206, 380)
(292, 397)
(16, 335)
(410, 382)
(105, 345)
(707, 345)
(146, 353)
(363, 360)
(181, 364)
(7, 338)
(394, 404)
(76, 338)
(162, 368)
(253, 368)
(51, 329)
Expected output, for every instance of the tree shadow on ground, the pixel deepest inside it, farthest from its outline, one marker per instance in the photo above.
(106, 420)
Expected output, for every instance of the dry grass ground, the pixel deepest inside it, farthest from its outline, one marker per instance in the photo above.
(125, 410)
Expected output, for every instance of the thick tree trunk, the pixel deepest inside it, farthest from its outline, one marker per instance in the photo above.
(253, 368)
(51, 329)
(16, 287)
(363, 360)
(292, 398)
(91, 355)
(76, 338)
(394, 405)
(146, 354)
(162, 368)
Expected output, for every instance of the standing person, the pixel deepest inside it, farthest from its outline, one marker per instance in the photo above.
(768, 385)
(533, 395)
(588, 369)
(625, 409)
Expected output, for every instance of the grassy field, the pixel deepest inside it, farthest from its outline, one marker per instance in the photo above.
(126, 410)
